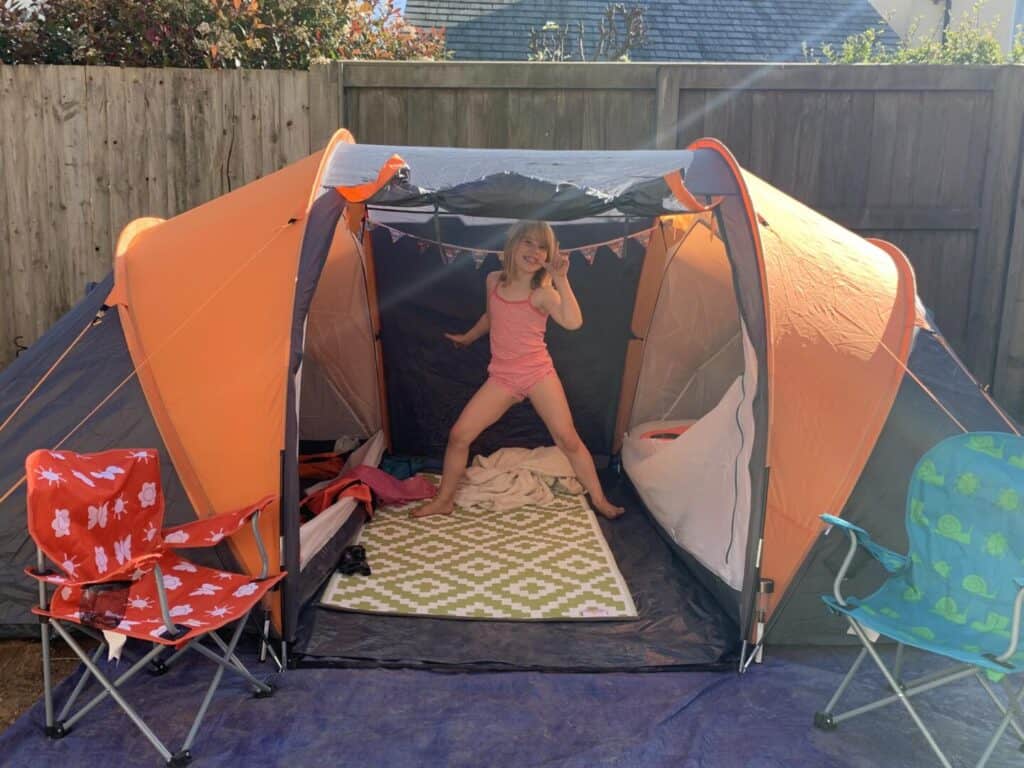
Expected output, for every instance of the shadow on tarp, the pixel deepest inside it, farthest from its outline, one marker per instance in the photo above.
(399, 718)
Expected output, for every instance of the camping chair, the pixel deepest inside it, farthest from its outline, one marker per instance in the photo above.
(98, 518)
(959, 590)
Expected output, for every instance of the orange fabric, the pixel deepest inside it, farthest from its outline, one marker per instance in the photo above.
(675, 183)
(340, 341)
(206, 300)
(755, 231)
(840, 326)
(345, 487)
(652, 270)
(920, 315)
(320, 466)
(209, 329)
(360, 193)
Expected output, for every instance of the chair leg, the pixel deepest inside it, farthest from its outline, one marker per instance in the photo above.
(897, 667)
(824, 720)
(194, 730)
(1008, 717)
(44, 632)
(112, 691)
(899, 694)
(121, 680)
(237, 666)
(79, 687)
(995, 700)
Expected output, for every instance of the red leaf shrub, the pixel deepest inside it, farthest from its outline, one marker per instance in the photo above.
(272, 34)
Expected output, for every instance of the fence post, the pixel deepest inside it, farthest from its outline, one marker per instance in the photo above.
(995, 276)
(326, 102)
(666, 109)
(1008, 380)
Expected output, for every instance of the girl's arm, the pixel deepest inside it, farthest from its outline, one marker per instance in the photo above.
(560, 302)
(482, 326)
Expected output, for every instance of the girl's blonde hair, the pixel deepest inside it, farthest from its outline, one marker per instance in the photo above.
(544, 234)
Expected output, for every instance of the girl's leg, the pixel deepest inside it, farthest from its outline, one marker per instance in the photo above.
(549, 401)
(483, 409)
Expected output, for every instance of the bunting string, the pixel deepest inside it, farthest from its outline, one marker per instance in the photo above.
(450, 253)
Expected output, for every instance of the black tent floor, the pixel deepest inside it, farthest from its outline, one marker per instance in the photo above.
(680, 625)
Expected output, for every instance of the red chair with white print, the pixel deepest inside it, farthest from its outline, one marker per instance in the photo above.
(97, 518)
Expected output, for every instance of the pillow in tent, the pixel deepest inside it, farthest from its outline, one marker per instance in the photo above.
(653, 436)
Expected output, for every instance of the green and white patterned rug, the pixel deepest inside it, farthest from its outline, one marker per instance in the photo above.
(530, 564)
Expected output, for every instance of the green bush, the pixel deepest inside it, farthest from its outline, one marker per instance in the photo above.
(967, 42)
(259, 34)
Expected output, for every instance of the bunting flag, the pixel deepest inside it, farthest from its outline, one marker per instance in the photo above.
(449, 253)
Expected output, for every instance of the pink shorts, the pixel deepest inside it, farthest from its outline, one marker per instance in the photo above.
(518, 379)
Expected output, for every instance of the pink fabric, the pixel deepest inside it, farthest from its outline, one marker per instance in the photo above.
(519, 354)
(391, 490)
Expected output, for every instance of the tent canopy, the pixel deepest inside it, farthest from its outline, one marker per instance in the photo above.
(510, 183)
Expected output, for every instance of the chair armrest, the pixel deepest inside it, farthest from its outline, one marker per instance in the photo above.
(122, 573)
(1018, 608)
(891, 561)
(210, 531)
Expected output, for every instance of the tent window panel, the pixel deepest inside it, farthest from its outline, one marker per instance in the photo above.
(697, 486)
(697, 381)
(340, 396)
(693, 349)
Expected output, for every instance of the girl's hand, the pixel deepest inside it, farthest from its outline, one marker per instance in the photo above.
(460, 340)
(558, 266)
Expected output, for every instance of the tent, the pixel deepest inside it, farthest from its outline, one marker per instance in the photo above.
(309, 305)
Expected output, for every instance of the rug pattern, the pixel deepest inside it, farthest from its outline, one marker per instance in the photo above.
(529, 564)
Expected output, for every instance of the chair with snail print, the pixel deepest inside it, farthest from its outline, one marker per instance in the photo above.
(106, 568)
(959, 590)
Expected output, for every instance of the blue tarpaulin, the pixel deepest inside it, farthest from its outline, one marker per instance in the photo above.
(399, 718)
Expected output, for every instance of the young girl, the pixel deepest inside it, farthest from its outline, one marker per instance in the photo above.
(532, 286)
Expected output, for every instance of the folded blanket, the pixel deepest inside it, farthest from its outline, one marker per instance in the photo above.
(514, 477)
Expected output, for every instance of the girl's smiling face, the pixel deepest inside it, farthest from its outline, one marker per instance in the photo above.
(531, 253)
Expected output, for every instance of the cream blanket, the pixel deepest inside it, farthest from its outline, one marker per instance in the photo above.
(513, 477)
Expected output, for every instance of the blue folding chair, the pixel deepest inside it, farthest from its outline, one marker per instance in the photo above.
(959, 590)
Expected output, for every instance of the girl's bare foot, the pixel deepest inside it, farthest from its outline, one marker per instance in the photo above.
(436, 506)
(606, 509)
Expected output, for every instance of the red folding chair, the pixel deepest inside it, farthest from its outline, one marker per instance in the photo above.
(97, 518)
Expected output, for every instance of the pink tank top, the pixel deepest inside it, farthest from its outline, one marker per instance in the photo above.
(517, 332)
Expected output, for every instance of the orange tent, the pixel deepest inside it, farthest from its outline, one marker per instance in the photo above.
(778, 339)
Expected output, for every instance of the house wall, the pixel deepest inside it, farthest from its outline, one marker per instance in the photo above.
(929, 158)
(928, 15)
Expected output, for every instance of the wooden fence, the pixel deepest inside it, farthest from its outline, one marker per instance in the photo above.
(927, 157)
